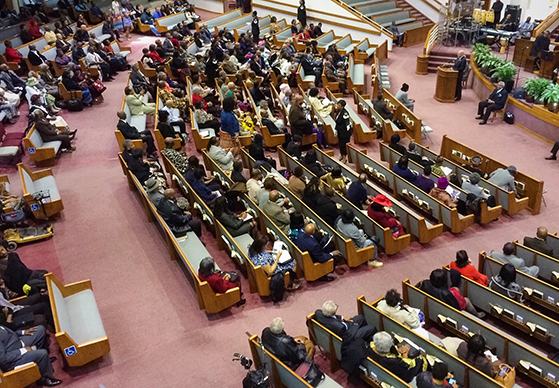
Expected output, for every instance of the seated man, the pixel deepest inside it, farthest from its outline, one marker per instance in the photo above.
(130, 132)
(508, 257)
(29, 345)
(202, 189)
(396, 32)
(471, 186)
(325, 207)
(49, 132)
(16, 274)
(346, 328)
(173, 215)
(539, 244)
(277, 214)
(438, 377)
(496, 101)
(414, 155)
(402, 96)
(380, 107)
(504, 178)
(357, 193)
(347, 229)
(307, 243)
(291, 351)
(294, 147)
(524, 30)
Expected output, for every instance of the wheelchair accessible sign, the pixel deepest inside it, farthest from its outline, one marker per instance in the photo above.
(70, 351)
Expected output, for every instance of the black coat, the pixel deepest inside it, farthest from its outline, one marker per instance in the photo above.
(284, 347)
(500, 97)
(140, 169)
(128, 131)
(343, 125)
(36, 58)
(172, 214)
(166, 130)
(326, 209)
(441, 294)
(538, 245)
(293, 150)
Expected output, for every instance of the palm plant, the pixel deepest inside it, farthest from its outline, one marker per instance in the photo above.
(504, 71)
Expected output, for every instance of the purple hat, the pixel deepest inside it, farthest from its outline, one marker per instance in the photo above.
(442, 183)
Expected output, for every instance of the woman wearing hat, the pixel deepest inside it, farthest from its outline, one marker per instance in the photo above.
(440, 194)
(378, 213)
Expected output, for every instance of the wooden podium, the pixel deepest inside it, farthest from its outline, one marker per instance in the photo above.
(446, 84)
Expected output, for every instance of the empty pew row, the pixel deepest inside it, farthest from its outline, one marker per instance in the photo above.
(510, 312)
(465, 375)
(237, 247)
(188, 249)
(450, 218)
(282, 375)
(526, 186)
(487, 214)
(361, 131)
(415, 223)
(371, 372)
(232, 24)
(553, 241)
(365, 106)
(354, 257)
(327, 123)
(527, 360)
(390, 244)
(536, 291)
(355, 74)
(305, 266)
(407, 117)
(506, 199)
(549, 266)
(211, 23)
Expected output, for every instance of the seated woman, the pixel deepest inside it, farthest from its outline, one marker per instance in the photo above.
(437, 287)
(235, 225)
(49, 132)
(219, 281)
(84, 80)
(463, 302)
(136, 103)
(396, 360)
(9, 108)
(323, 109)
(256, 150)
(166, 129)
(237, 173)
(223, 158)
(204, 119)
(259, 256)
(378, 213)
(393, 306)
(505, 283)
(474, 353)
(440, 194)
(335, 180)
(229, 121)
(463, 265)
(71, 85)
(401, 169)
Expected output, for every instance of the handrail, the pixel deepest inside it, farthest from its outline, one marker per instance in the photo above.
(367, 20)
(432, 38)
(547, 22)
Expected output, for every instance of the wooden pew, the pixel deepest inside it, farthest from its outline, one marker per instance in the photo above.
(506, 199)
(306, 139)
(269, 139)
(466, 375)
(416, 224)
(536, 291)
(234, 14)
(549, 266)
(355, 75)
(20, 377)
(231, 24)
(354, 257)
(406, 116)
(282, 376)
(364, 49)
(365, 106)
(553, 241)
(390, 244)
(416, 197)
(42, 180)
(327, 123)
(185, 249)
(305, 266)
(525, 184)
(508, 310)
(462, 325)
(371, 372)
(487, 214)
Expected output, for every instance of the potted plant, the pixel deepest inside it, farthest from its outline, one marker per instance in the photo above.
(489, 63)
(505, 71)
(551, 96)
(530, 90)
(539, 85)
(480, 51)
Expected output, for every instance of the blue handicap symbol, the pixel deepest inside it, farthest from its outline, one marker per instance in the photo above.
(34, 207)
(31, 150)
(70, 351)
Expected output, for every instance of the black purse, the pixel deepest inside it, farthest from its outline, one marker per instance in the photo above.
(310, 372)
(180, 230)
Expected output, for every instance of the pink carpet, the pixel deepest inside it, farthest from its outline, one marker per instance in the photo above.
(158, 335)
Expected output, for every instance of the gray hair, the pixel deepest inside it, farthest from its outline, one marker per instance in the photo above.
(126, 143)
(500, 84)
(196, 90)
(329, 308)
(276, 326)
(36, 113)
(383, 342)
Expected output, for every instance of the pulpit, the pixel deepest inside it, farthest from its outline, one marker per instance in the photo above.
(446, 84)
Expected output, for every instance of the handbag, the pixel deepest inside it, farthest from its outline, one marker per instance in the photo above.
(75, 104)
(179, 230)
(506, 375)
(310, 372)
(98, 85)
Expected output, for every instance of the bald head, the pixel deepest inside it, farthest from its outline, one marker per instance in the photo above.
(274, 195)
(169, 194)
(121, 114)
(299, 100)
(310, 229)
(362, 178)
(460, 53)
(542, 232)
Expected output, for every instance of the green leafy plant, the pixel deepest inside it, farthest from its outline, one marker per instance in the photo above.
(536, 86)
(505, 71)
(491, 61)
(551, 93)
(481, 51)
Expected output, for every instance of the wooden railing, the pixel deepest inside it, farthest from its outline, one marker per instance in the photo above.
(432, 38)
(546, 24)
(365, 19)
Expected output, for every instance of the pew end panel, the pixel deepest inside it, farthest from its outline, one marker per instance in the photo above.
(20, 377)
(41, 180)
(138, 143)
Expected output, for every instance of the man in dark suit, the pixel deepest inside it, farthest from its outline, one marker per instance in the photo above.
(496, 101)
(25, 346)
(294, 147)
(35, 57)
(174, 215)
(140, 81)
(307, 243)
(460, 66)
(346, 328)
(300, 125)
(255, 27)
(541, 43)
(130, 132)
(380, 107)
(48, 132)
(539, 244)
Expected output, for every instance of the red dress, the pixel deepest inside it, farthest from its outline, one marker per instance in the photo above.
(12, 55)
(34, 29)
(196, 97)
(217, 283)
(471, 272)
(385, 220)
(155, 57)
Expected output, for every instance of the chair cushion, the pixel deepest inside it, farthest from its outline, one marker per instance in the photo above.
(310, 78)
(8, 151)
(36, 139)
(244, 241)
(29, 184)
(358, 76)
(125, 53)
(54, 144)
(47, 183)
(138, 121)
(103, 37)
(370, 51)
(193, 250)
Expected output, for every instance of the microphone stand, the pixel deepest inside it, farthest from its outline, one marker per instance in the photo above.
(519, 67)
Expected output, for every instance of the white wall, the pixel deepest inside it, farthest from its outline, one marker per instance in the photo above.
(208, 5)
(425, 9)
(537, 9)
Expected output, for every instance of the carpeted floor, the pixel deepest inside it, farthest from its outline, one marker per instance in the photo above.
(159, 337)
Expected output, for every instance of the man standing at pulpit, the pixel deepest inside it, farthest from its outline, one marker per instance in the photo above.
(459, 65)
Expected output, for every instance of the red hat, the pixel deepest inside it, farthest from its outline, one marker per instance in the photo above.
(382, 200)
